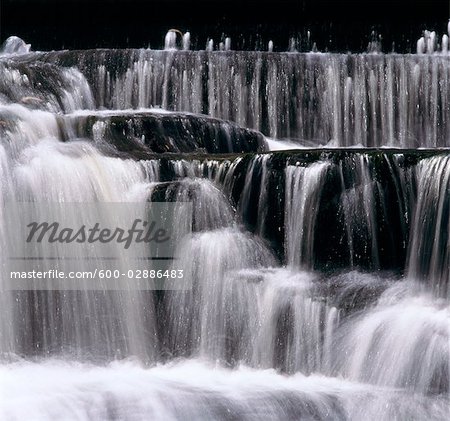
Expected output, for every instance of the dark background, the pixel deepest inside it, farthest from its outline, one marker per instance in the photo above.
(335, 25)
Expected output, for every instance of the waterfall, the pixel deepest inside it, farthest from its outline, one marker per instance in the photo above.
(74, 321)
(429, 253)
(315, 261)
(303, 188)
(39, 167)
(203, 320)
(313, 98)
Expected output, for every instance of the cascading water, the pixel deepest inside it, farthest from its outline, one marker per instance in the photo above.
(429, 254)
(319, 276)
(303, 187)
(314, 98)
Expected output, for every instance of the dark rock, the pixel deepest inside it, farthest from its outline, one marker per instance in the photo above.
(163, 132)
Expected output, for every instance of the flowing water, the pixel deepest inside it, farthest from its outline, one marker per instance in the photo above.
(319, 267)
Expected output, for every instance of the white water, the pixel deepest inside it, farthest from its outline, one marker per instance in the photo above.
(14, 45)
(195, 390)
(418, 360)
(430, 43)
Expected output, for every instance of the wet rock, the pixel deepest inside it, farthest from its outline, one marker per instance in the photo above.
(164, 132)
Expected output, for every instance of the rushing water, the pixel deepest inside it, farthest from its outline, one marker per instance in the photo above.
(319, 277)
